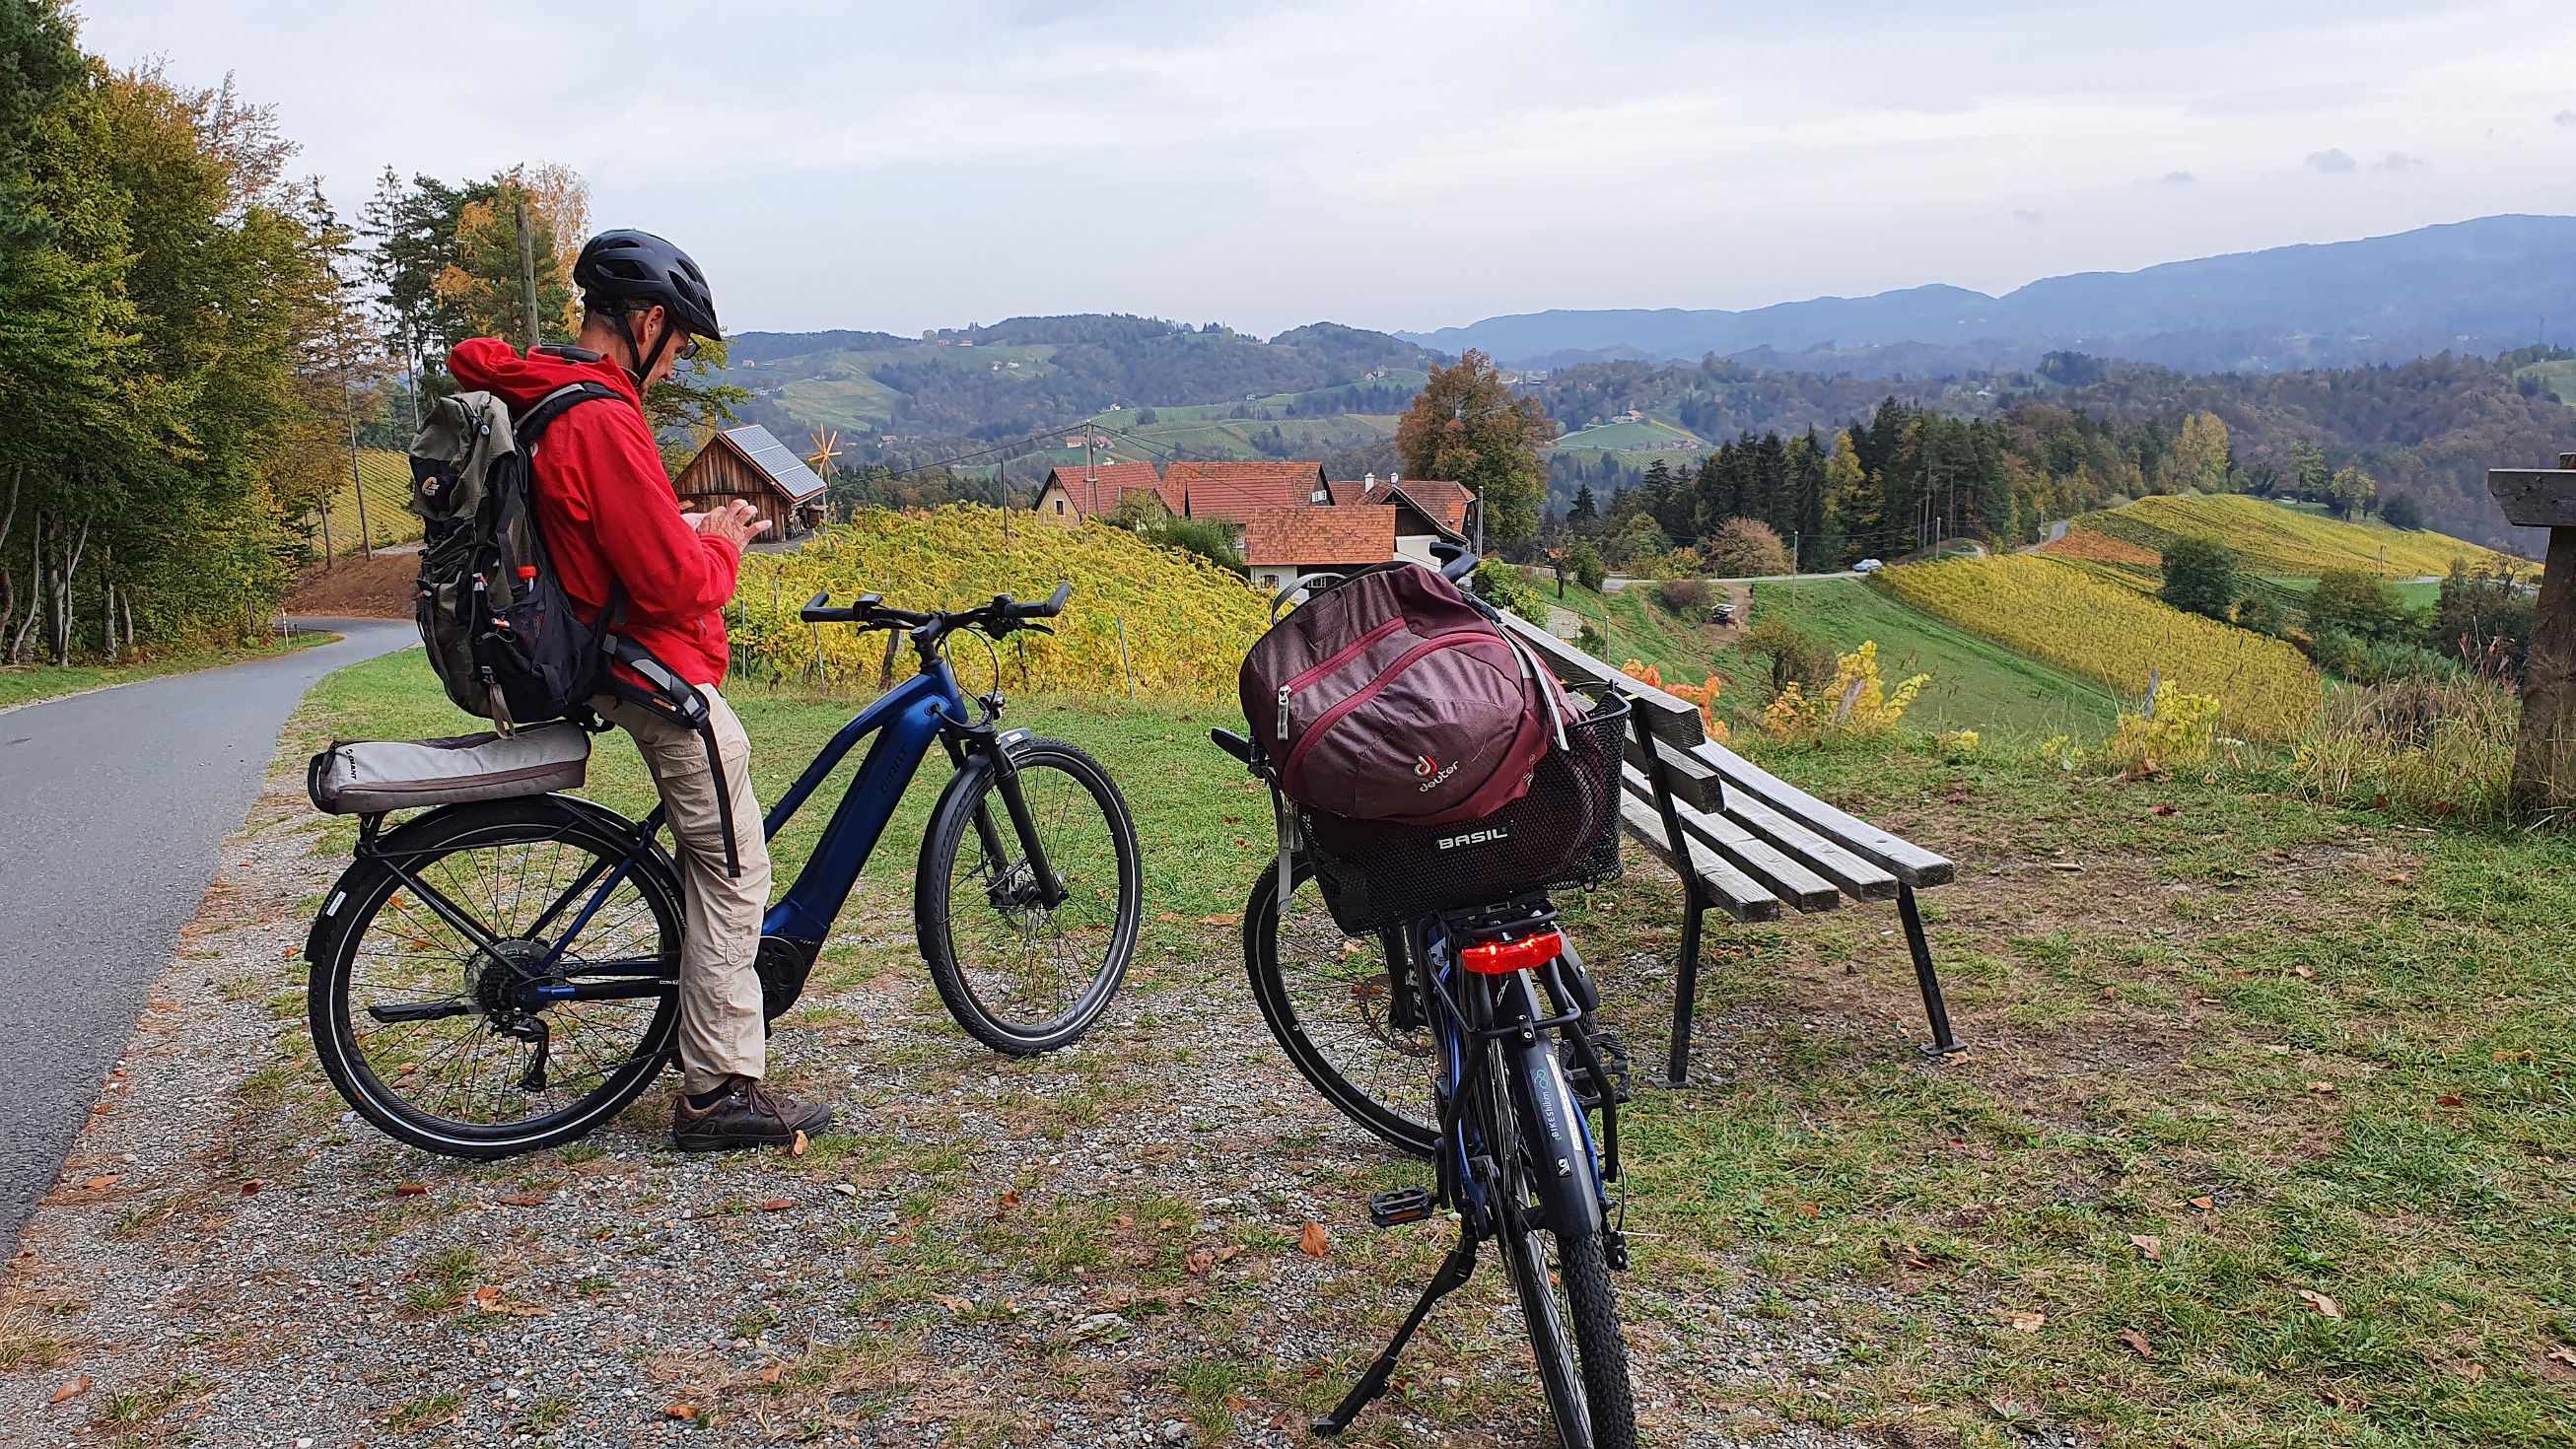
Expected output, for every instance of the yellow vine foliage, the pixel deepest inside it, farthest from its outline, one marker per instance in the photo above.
(2270, 539)
(1857, 705)
(1703, 695)
(1188, 622)
(2178, 729)
(2060, 613)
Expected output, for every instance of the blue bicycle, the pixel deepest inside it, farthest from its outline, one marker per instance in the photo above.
(502, 976)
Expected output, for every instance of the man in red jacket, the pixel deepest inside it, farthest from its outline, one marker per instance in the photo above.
(614, 527)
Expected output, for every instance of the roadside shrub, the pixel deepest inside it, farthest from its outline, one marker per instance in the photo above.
(2483, 613)
(2377, 661)
(2363, 605)
(1207, 539)
(1583, 561)
(1685, 597)
(1746, 548)
(1704, 695)
(1505, 587)
(2259, 612)
(1794, 657)
(1855, 704)
(1589, 640)
(2419, 747)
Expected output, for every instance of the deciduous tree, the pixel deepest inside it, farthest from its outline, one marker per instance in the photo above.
(1466, 426)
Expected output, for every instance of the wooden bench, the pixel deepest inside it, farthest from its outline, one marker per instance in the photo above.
(1744, 841)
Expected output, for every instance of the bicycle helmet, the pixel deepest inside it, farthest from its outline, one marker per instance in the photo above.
(620, 269)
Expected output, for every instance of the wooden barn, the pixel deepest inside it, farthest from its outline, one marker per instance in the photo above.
(750, 464)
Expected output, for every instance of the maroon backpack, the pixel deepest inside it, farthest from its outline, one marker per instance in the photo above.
(1392, 697)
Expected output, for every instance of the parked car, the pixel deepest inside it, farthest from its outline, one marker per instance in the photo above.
(1868, 566)
(1722, 614)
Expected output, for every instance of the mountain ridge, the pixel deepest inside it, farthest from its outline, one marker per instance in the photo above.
(2479, 286)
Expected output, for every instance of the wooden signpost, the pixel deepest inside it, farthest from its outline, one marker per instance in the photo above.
(2544, 762)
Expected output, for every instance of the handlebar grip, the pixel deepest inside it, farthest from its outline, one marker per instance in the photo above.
(1048, 610)
(1232, 743)
(814, 612)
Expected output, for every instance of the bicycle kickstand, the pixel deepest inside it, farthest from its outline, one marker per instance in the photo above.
(1452, 1275)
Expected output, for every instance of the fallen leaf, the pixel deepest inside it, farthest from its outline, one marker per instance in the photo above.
(2149, 1244)
(2162, 810)
(71, 1389)
(521, 1199)
(1810, 1210)
(1917, 1263)
(250, 1187)
(412, 1189)
(776, 1205)
(2563, 1355)
(2021, 1321)
(2324, 1305)
(1126, 1220)
(2137, 1341)
(1010, 1197)
(1197, 1261)
(685, 1413)
(2465, 1370)
(1221, 918)
(2337, 1397)
(1228, 1253)
(2513, 1056)
(1171, 916)
(771, 1374)
(2322, 1088)
(800, 1146)
(2204, 1203)
(2304, 973)
(103, 1180)
(2397, 877)
(2447, 1099)
(952, 1302)
(488, 1298)
(846, 1189)
(1313, 1241)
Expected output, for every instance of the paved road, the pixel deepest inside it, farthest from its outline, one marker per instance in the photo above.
(113, 806)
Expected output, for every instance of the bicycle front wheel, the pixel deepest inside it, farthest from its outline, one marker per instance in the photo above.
(1020, 974)
(1563, 1282)
(512, 986)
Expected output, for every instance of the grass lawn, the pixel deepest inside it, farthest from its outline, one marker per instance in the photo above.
(2264, 1137)
(27, 684)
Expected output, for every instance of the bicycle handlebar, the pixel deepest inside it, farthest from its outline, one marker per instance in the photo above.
(870, 611)
(1456, 562)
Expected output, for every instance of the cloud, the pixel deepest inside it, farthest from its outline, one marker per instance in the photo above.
(2179, 178)
(2332, 163)
(2565, 118)
(2400, 161)
(2026, 215)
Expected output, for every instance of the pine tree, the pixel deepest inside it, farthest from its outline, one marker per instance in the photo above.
(1584, 509)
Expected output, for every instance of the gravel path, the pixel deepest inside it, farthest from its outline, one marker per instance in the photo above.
(1099, 1247)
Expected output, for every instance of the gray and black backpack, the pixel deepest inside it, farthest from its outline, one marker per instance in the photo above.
(501, 633)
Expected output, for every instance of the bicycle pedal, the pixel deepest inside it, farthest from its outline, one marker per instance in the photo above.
(1614, 1059)
(1403, 1205)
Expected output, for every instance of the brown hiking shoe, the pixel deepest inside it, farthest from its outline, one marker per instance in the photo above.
(747, 1115)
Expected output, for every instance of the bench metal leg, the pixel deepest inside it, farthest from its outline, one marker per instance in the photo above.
(1943, 1043)
(1686, 989)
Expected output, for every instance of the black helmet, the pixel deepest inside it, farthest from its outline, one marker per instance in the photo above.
(623, 269)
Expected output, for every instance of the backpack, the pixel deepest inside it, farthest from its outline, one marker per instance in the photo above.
(1393, 697)
(502, 635)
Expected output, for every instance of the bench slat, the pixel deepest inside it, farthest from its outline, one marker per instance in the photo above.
(1908, 862)
(1694, 780)
(1774, 871)
(1732, 891)
(1672, 720)
(1858, 878)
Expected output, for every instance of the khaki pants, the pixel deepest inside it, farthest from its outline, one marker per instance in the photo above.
(722, 1031)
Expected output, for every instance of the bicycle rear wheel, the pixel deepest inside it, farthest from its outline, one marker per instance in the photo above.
(1021, 976)
(1561, 1279)
(1330, 1001)
(437, 1003)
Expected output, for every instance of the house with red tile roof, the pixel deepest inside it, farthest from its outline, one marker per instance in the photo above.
(1233, 491)
(1417, 525)
(1282, 544)
(1073, 493)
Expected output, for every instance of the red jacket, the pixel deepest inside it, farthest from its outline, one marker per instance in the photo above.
(607, 511)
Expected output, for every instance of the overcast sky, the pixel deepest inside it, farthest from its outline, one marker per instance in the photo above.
(1401, 165)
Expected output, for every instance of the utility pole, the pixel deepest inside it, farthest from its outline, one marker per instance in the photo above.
(1090, 468)
(528, 272)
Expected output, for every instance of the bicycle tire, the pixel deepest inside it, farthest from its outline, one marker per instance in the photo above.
(1586, 1384)
(936, 921)
(1390, 1124)
(358, 902)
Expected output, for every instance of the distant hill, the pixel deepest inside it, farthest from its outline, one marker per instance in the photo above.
(2480, 286)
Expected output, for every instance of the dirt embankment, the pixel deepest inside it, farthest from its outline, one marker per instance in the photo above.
(359, 587)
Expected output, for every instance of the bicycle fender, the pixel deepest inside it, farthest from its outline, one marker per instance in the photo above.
(1568, 1181)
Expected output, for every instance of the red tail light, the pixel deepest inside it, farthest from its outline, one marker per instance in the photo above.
(1502, 958)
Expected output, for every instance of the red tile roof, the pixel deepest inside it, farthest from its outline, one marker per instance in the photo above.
(1234, 491)
(1109, 482)
(1362, 533)
(1347, 491)
(1442, 499)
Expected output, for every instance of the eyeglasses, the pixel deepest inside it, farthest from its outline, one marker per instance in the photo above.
(688, 347)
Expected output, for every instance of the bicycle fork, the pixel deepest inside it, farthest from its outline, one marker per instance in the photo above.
(1045, 888)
